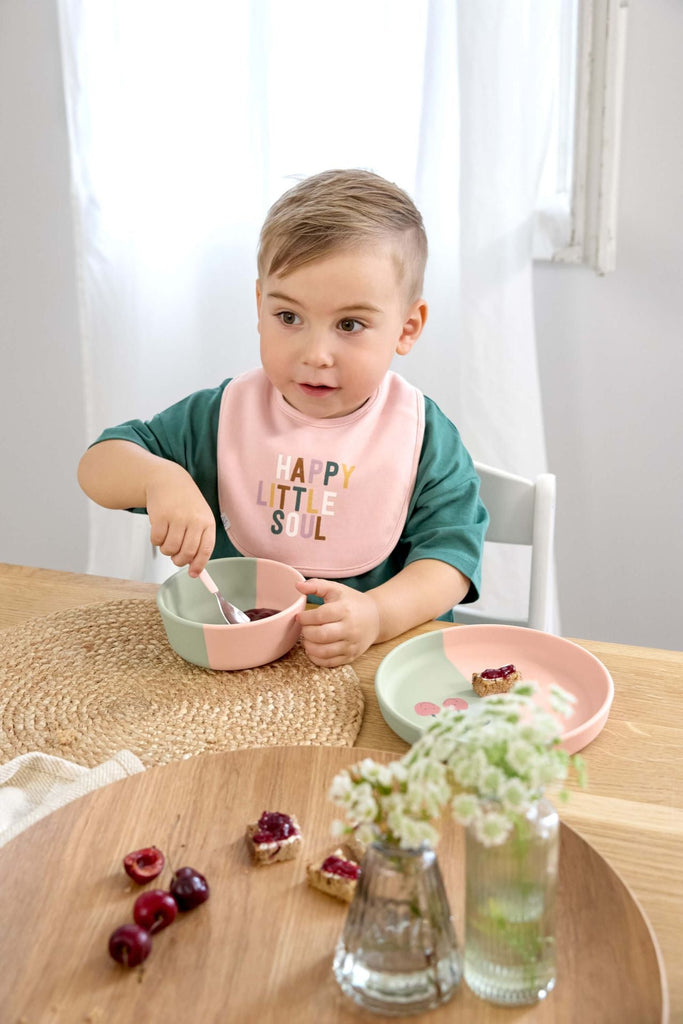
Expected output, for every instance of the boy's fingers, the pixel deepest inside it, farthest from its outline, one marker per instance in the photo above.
(173, 542)
(328, 655)
(157, 533)
(192, 545)
(322, 633)
(320, 615)
(326, 589)
(203, 552)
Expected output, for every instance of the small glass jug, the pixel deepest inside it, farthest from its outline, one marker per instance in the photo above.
(398, 952)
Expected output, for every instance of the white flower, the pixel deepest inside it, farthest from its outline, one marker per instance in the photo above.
(466, 770)
(429, 796)
(465, 807)
(377, 774)
(520, 756)
(421, 748)
(561, 700)
(527, 732)
(480, 761)
(366, 834)
(514, 795)
(552, 771)
(525, 688)
(492, 828)
(547, 728)
(414, 833)
(491, 781)
(399, 771)
(443, 745)
(363, 805)
(341, 788)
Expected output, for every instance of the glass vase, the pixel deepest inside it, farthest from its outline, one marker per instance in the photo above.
(510, 910)
(398, 952)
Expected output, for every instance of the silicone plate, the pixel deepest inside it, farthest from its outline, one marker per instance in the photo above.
(434, 670)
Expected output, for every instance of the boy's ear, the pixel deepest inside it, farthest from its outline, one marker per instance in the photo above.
(258, 296)
(412, 327)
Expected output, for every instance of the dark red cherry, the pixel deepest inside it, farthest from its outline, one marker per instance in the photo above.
(189, 888)
(154, 910)
(144, 865)
(130, 945)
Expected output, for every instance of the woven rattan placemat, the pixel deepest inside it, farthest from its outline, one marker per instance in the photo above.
(85, 683)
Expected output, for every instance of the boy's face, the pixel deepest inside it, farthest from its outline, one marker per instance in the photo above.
(329, 329)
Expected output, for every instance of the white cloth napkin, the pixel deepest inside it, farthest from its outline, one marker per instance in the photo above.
(33, 785)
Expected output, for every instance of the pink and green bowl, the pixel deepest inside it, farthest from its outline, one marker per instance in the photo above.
(194, 626)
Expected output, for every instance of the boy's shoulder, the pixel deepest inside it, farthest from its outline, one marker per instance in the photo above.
(443, 449)
(436, 420)
(199, 399)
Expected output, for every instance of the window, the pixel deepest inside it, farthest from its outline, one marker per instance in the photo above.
(576, 214)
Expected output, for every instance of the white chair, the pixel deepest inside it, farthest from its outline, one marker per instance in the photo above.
(521, 512)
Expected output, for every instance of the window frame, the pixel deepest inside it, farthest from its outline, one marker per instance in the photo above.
(600, 52)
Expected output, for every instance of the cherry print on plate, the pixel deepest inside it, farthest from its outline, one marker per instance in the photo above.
(426, 708)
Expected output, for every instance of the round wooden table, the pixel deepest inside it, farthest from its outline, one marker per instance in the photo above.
(261, 948)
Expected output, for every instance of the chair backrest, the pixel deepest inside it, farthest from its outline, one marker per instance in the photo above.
(521, 512)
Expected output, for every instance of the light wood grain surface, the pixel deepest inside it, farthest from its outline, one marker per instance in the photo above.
(632, 810)
(261, 948)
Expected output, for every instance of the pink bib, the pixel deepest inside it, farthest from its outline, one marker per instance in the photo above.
(327, 496)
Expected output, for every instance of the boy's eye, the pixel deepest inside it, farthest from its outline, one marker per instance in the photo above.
(350, 326)
(288, 318)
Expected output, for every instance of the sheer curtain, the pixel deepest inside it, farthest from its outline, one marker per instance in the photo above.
(187, 120)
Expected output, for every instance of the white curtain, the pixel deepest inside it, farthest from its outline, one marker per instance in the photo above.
(187, 119)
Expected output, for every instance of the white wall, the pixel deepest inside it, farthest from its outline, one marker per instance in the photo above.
(610, 348)
(611, 353)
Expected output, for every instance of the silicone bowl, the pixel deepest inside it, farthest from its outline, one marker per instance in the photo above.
(196, 631)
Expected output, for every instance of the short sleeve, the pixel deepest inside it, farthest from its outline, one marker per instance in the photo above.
(185, 433)
(446, 518)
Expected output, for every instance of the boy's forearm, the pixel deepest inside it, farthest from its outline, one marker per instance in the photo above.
(116, 473)
(422, 591)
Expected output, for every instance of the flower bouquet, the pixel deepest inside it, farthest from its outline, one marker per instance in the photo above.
(489, 767)
(486, 765)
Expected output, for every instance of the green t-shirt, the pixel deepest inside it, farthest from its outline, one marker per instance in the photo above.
(446, 519)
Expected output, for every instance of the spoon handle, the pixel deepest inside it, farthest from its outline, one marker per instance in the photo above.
(208, 582)
(230, 612)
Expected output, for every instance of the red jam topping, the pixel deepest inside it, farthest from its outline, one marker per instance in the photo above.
(338, 866)
(498, 673)
(273, 827)
(260, 613)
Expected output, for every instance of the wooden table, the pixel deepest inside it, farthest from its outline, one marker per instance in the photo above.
(632, 811)
(260, 950)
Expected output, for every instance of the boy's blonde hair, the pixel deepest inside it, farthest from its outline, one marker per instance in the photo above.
(340, 210)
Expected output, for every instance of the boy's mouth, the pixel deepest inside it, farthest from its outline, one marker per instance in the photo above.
(316, 390)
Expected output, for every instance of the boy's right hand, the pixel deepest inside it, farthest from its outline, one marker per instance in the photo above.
(182, 523)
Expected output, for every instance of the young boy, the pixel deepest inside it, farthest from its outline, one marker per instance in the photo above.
(322, 458)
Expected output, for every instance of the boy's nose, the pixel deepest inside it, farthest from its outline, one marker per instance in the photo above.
(317, 350)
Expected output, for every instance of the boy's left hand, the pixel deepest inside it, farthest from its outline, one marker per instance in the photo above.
(341, 629)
